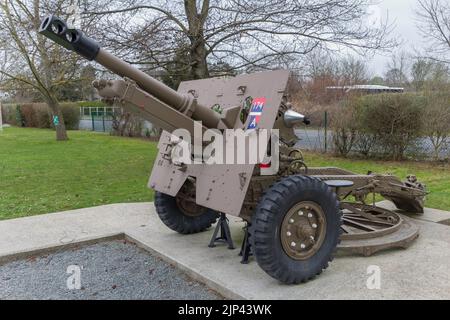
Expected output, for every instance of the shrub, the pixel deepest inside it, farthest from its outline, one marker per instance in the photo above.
(18, 117)
(394, 119)
(365, 142)
(71, 115)
(388, 124)
(437, 122)
(344, 126)
(38, 115)
(34, 115)
(5, 110)
(9, 114)
(126, 125)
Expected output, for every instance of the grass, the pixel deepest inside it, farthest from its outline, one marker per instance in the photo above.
(39, 175)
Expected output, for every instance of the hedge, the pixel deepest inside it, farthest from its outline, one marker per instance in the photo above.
(38, 115)
(385, 125)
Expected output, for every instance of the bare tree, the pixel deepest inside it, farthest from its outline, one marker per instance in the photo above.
(397, 69)
(238, 34)
(33, 63)
(439, 77)
(353, 71)
(420, 72)
(322, 70)
(430, 75)
(434, 24)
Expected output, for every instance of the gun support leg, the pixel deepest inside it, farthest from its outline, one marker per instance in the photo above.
(246, 250)
(225, 234)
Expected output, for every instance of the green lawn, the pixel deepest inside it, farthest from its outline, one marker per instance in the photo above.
(39, 175)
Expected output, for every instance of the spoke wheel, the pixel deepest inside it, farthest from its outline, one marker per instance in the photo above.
(362, 221)
(367, 229)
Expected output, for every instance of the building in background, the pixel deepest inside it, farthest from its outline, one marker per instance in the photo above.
(365, 89)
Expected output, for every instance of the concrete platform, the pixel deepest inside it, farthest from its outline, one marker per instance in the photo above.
(420, 272)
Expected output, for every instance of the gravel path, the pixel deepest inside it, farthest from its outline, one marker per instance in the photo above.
(110, 270)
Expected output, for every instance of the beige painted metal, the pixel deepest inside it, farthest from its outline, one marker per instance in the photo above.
(235, 189)
(126, 94)
(221, 187)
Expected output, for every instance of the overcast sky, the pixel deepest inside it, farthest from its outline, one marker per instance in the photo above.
(402, 13)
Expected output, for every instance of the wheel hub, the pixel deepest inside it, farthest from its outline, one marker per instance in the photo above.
(186, 201)
(189, 207)
(303, 230)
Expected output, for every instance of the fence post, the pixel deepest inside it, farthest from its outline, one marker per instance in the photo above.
(103, 119)
(326, 131)
(93, 125)
(1, 119)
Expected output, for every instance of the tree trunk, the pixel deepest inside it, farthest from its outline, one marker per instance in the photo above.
(199, 66)
(198, 51)
(57, 117)
(58, 120)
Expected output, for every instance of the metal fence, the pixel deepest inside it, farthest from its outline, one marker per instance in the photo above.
(96, 123)
(316, 139)
(98, 119)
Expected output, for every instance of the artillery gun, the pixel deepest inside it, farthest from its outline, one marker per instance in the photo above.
(296, 216)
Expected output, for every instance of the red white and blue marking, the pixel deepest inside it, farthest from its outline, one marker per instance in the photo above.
(256, 112)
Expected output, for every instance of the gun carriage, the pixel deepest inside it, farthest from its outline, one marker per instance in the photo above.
(297, 215)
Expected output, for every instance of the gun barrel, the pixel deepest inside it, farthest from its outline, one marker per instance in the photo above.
(75, 40)
(146, 82)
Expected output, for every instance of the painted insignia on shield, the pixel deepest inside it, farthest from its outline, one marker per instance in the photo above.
(256, 112)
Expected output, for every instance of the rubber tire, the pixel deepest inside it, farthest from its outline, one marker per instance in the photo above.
(267, 221)
(171, 215)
